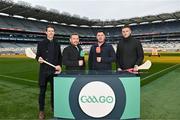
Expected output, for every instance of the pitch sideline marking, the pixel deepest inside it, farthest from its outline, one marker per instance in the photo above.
(32, 81)
(21, 79)
(159, 72)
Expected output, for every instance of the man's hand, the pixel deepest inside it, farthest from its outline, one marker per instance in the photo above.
(80, 62)
(40, 60)
(135, 68)
(98, 59)
(58, 69)
(119, 69)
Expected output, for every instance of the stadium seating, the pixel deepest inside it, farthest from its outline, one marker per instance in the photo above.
(163, 35)
(35, 26)
(161, 46)
(15, 48)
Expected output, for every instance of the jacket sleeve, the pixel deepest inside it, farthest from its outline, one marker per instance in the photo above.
(117, 56)
(90, 59)
(59, 56)
(38, 53)
(66, 61)
(140, 53)
(111, 56)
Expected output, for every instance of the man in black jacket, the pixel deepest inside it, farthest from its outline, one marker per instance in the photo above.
(50, 51)
(129, 53)
(73, 55)
(101, 54)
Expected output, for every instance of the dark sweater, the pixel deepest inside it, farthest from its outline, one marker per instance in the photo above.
(129, 53)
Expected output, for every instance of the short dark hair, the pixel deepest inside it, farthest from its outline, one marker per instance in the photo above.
(126, 26)
(99, 31)
(74, 34)
(50, 26)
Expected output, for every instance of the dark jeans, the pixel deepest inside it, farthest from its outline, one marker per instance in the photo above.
(47, 78)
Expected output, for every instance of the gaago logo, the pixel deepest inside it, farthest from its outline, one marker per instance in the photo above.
(97, 96)
(94, 99)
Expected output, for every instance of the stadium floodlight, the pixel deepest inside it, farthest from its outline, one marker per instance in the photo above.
(95, 26)
(85, 18)
(23, 3)
(66, 13)
(63, 23)
(120, 25)
(43, 20)
(73, 25)
(84, 26)
(108, 26)
(29, 53)
(39, 7)
(145, 66)
(54, 11)
(76, 16)
(7, 1)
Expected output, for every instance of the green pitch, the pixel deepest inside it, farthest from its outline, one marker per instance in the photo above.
(19, 88)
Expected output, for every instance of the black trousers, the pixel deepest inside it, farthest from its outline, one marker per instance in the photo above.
(42, 92)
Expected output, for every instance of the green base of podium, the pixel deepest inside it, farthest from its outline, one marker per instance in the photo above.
(63, 86)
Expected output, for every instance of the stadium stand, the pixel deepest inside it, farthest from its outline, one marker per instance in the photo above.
(161, 31)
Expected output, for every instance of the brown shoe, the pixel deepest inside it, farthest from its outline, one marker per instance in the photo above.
(41, 115)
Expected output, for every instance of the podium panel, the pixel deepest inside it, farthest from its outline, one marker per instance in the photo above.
(98, 96)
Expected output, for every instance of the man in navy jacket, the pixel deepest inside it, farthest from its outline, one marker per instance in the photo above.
(101, 54)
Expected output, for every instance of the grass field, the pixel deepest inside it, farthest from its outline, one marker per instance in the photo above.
(19, 88)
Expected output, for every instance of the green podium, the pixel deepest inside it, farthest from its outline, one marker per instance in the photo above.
(96, 95)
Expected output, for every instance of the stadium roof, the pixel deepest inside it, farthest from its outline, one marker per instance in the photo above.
(25, 10)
